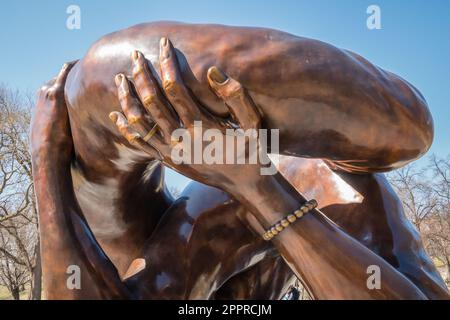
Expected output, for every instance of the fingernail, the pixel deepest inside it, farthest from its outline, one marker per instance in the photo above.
(164, 48)
(119, 79)
(216, 75)
(113, 116)
(135, 55)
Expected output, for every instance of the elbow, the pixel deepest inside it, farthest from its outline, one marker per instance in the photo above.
(413, 128)
(426, 132)
(416, 131)
(420, 128)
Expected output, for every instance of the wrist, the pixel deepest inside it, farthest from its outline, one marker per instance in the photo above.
(270, 198)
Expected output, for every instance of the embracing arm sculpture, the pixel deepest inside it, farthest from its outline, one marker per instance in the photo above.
(327, 103)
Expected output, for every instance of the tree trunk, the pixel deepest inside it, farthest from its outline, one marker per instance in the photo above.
(448, 270)
(36, 276)
(15, 292)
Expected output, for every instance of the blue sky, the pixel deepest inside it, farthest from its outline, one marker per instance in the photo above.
(414, 41)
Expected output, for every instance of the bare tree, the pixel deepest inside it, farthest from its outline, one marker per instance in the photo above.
(19, 249)
(438, 231)
(437, 241)
(425, 195)
(416, 193)
(14, 271)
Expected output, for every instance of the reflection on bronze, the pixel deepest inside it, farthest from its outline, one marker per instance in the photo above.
(104, 205)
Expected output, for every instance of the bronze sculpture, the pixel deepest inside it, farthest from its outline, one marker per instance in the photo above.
(136, 242)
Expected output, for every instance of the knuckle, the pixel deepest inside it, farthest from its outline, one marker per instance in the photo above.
(171, 86)
(135, 118)
(133, 139)
(255, 123)
(138, 69)
(149, 100)
(124, 96)
(235, 89)
(51, 93)
(124, 130)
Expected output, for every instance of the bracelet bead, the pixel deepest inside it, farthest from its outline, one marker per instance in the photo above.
(289, 219)
(285, 223)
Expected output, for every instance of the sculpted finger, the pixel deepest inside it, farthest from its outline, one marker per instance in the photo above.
(134, 112)
(42, 90)
(133, 137)
(154, 102)
(236, 98)
(173, 85)
(54, 89)
(62, 76)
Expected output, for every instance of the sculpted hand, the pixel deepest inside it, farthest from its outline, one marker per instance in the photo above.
(170, 124)
(50, 129)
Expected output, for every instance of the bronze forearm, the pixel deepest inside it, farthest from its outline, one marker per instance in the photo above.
(332, 264)
(66, 239)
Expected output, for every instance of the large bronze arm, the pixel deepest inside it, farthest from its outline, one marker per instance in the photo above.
(327, 102)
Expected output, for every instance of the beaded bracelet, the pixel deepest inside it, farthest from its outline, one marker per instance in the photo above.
(288, 220)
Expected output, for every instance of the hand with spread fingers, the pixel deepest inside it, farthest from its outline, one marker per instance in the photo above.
(166, 122)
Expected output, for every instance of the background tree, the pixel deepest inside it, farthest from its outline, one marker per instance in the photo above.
(415, 191)
(425, 194)
(437, 235)
(19, 249)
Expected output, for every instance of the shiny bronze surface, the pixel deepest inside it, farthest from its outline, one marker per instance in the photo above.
(328, 103)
